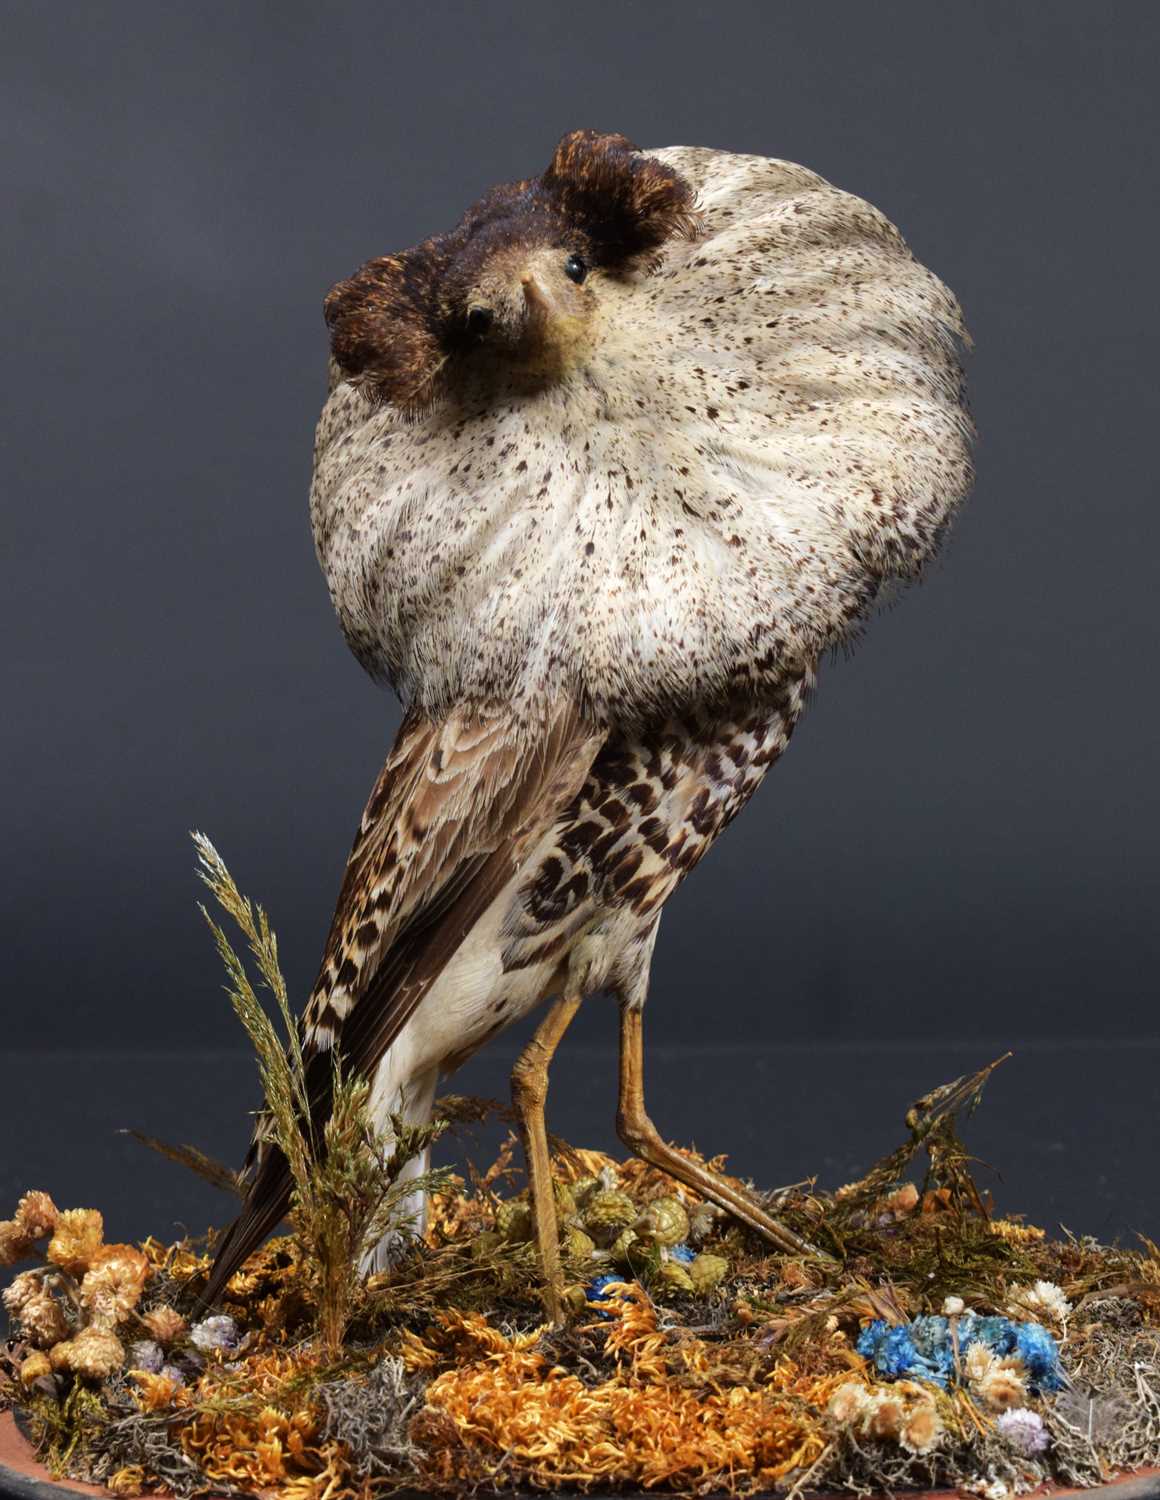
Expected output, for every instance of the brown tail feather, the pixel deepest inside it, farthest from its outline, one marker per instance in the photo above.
(265, 1206)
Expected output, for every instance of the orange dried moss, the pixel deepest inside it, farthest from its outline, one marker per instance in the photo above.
(250, 1425)
(507, 1411)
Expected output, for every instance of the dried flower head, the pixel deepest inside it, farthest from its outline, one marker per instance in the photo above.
(15, 1243)
(165, 1324)
(607, 1213)
(513, 1219)
(674, 1277)
(849, 1404)
(60, 1355)
(565, 1201)
(897, 1205)
(952, 1307)
(622, 1244)
(903, 1414)
(921, 1428)
(574, 1242)
(24, 1287)
(1041, 1300)
(93, 1354)
(220, 1332)
(1003, 1386)
(76, 1239)
(34, 1366)
(43, 1320)
(1024, 1431)
(145, 1355)
(113, 1284)
(885, 1417)
(36, 1214)
(978, 1363)
(36, 1310)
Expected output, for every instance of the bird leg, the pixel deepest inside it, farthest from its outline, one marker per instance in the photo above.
(529, 1091)
(640, 1135)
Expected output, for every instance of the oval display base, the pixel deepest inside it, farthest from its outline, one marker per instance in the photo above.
(24, 1478)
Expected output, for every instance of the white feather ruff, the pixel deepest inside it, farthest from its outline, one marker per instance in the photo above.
(762, 434)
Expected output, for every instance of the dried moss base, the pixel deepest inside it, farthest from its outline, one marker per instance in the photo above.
(706, 1364)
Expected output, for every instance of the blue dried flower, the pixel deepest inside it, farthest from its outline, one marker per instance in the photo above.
(684, 1253)
(1040, 1353)
(994, 1333)
(867, 1345)
(597, 1291)
(891, 1348)
(924, 1349)
(930, 1331)
(932, 1339)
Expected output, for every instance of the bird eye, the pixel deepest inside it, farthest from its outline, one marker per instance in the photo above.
(479, 320)
(575, 268)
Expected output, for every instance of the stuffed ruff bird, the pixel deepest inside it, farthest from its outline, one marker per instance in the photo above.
(602, 472)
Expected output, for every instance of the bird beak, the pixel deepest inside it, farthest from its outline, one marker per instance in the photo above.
(541, 306)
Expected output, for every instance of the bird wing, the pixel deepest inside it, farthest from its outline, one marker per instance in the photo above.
(456, 808)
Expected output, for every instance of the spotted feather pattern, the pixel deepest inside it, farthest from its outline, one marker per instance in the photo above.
(650, 808)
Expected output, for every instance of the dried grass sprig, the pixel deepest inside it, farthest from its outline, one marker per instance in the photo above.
(348, 1182)
(281, 1065)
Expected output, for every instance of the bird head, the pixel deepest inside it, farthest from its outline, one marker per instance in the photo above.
(514, 288)
(523, 301)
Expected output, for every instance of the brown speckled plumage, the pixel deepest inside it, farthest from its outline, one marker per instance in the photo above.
(601, 474)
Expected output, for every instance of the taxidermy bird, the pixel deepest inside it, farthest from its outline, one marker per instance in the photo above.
(602, 473)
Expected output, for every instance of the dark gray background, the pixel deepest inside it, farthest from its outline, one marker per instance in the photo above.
(960, 847)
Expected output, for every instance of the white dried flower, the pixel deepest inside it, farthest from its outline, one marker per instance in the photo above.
(921, 1428)
(1043, 1300)
(146, 1354)
(220, 1332)
(952, 1306)
(848, 1404)
(903, 1414)
(1004, 1385)
(978, 1363)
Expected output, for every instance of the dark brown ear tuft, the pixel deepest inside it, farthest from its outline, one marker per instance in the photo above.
(628, 205)
(384, 328)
